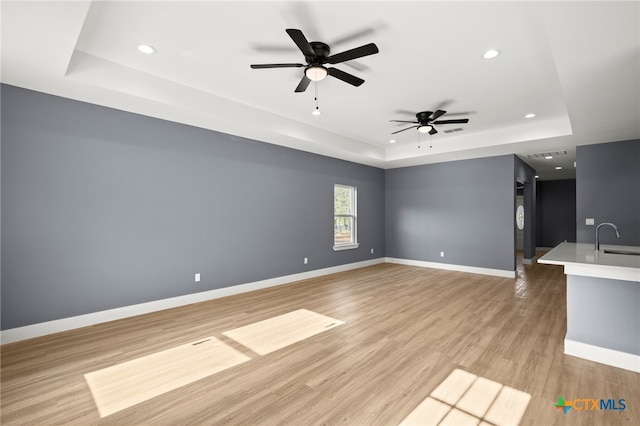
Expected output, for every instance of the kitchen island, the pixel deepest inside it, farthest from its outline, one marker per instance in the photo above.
(603, 302)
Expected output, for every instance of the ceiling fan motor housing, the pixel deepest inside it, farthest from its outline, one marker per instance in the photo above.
(423, 117)
(321, 50)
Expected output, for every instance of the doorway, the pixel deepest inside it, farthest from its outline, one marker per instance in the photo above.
(524, 221)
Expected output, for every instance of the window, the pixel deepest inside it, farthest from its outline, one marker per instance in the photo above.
(344, 217)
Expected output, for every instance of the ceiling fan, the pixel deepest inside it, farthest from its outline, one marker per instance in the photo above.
(427, 120)
(316, 55)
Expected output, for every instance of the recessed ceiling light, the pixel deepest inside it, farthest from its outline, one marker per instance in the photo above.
(392, 141)
(491, 53)
(145, 48)
(558, 168)
(530, 115)
(548, 157)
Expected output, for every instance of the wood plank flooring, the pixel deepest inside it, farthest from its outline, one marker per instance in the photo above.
(406, 330)
(126, 384)
(275, 333)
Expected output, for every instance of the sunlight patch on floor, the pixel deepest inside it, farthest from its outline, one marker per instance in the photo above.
(278, 332)
(466, 399)
(124, 385)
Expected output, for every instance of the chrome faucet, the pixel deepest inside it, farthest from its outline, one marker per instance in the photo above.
(598, 233)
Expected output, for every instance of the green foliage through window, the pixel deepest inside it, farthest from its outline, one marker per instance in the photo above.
(344, 211)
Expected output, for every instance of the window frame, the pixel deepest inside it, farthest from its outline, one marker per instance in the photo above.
(354, 244)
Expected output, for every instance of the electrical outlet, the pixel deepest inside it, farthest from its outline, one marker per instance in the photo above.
(306, 260)
(197, 278)
(589, 221)
(441, 254)
(371, 251)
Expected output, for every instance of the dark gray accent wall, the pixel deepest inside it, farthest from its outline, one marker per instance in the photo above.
(608, 190)
(464, 208)
(102, 209)
(556, 207)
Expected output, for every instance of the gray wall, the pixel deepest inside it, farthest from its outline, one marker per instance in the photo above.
(464, 208)
(608, 190)
(556, 207)
(604, 313)
(103, 209)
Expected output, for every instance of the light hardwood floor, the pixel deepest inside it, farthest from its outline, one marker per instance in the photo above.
(406, 330)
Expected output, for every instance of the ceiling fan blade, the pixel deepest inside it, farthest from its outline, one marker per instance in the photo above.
(412, 127)
(260, 66)
(358, 66)
(353, 35)
(403, 121)
(358, 52)
(304, 16)
(437, 114)
(304, 83)
(433, 131)
(455, 121)
(405, 111)
(273, 48)
(455, 114)
(445, 103)
(301, 41)
(345, 76)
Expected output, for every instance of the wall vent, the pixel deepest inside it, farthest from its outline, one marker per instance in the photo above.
(547, 154)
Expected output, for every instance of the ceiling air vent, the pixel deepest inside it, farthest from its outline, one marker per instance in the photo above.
(459, 129)
(547, 154)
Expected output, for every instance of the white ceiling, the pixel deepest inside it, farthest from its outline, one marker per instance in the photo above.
(575, 64)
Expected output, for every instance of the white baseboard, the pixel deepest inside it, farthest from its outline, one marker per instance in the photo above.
(64, 324)
(602, 355)
(451, 267)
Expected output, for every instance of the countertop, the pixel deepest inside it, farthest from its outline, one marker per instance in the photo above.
(583, 259)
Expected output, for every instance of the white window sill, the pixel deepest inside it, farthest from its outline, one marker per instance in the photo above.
(346, 247)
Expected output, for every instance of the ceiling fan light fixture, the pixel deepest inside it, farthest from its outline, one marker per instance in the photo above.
(316, 111)
(424, 129)
(316, 72)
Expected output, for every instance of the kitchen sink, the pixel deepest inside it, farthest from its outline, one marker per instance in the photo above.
(622, 251)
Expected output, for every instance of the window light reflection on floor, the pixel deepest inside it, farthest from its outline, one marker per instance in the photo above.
(466, 399)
